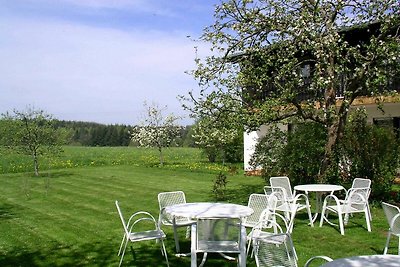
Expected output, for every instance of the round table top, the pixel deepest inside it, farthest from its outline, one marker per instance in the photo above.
(209, 209)
(363, 261)
(318, 187)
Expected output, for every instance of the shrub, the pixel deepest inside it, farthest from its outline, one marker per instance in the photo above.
(372, 152)
(219, 186)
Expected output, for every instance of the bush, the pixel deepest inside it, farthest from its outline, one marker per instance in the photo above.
(372, 152)
(219, 186)
(303, 154)
(296, 153)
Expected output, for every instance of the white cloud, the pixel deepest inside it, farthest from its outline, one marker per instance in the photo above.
(85, 73)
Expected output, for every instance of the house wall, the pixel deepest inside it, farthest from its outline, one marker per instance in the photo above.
(251, 138)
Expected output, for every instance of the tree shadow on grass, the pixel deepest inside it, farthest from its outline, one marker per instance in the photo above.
(96, 254)
(6, 211)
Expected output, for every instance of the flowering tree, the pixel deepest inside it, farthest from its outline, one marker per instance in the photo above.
(156, 129)
(281, 59)
(31, 132)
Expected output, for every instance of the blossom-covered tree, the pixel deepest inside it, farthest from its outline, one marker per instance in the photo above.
(275, 60)
(156, 129)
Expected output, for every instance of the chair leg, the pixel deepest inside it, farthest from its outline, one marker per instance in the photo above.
(368, 220)
(120, 246)
(203, 260)
(164, 251)
(341, 223)
(323, 214)
(123, 252)
(309, 213)
(387, 244)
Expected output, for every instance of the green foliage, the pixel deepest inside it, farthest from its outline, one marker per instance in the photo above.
(219, 187)
(219, 140)
(304, 152)
(269, 152)
(371, 152)
(296, 153)
(366, 151)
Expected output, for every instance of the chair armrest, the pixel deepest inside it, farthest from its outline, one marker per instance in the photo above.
(332, 198)
(395, 220)
(298, 196)
(317, 257)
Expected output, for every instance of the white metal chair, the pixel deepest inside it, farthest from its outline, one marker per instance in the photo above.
(217, 235)
(392, 213)
(288, 201)
(356, 201)
(166, 199)
(258, 202)
(278, 250)
(362, 183)
(141, 226)
(269, 225)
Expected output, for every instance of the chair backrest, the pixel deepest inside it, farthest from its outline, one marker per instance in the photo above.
(122, 218)
(283, 182)
(218, 235)
(275, 250)
(258, 202)
(361, 183)
(358, 197)
(278, 192)
(166, 199)
(392, 213)
(269, 218)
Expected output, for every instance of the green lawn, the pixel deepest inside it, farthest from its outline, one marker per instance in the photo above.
(67, 217)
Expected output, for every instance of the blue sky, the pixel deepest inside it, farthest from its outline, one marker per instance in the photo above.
(99, 60)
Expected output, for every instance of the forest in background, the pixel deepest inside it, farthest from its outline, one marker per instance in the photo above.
(96, 134)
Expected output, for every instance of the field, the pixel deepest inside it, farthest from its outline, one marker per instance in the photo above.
(67, 217)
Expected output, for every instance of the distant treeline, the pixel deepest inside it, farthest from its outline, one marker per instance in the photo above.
(96, 134)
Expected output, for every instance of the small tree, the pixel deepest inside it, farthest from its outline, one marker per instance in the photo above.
(31, 132)
(156, 129)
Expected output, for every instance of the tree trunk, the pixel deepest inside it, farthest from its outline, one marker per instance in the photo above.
(335, 134)
(35, 163)
(161, 156)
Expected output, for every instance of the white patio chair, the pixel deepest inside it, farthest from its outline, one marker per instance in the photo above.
(392, 213)
(356, 201)
(270, 224)
(362, 183)
(166, 199)
(278, 250)
(288, 201)
(216, 235)
(258, 202)
(141, 226)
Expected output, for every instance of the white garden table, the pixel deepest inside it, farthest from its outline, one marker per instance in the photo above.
(320, 190)
(366, 261)
(218, 210)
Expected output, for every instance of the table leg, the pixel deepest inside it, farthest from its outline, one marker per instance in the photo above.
(242, 255)
(176, 238)
(193, 257)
